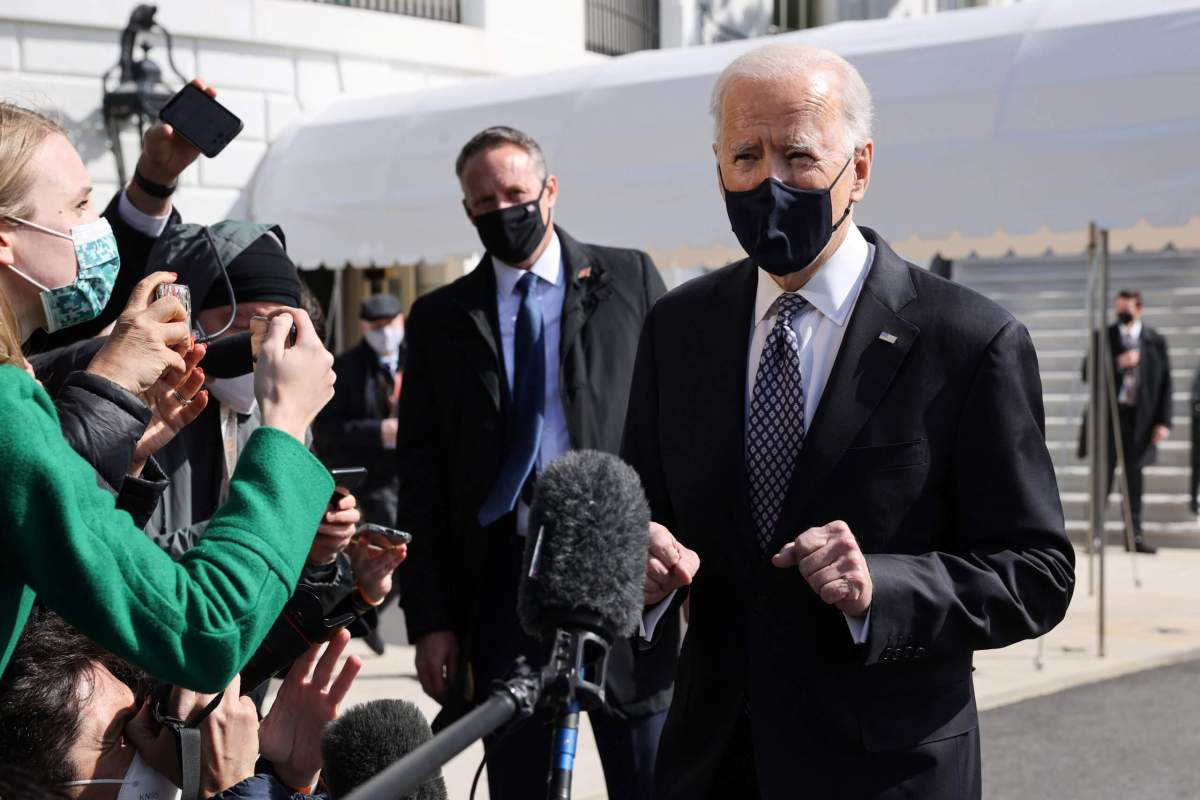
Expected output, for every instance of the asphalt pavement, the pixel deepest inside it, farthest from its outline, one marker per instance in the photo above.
(1133, 737)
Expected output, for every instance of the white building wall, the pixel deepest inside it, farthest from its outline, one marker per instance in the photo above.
(271, 61)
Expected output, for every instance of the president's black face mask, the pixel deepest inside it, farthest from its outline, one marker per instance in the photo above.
(1124, 318)
(512, 234)
(783, 229)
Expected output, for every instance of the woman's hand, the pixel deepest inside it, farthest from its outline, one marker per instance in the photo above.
(292, 383)
(229, 737)
(290, 735)
(374, 560)
(336, 529)
(147, 340)
(175, 401)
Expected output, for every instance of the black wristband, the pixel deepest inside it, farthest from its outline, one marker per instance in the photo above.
(159, 190)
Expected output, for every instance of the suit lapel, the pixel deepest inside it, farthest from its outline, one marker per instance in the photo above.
(584, 279)
(861, 374)
(477, 299)
(725, 341)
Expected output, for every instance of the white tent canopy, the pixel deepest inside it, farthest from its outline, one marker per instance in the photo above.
(1014, 124)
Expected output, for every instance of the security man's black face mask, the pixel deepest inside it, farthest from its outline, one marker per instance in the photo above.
(1125, 318)
(512, 234)
(781, 228)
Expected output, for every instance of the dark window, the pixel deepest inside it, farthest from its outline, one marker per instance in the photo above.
(442, 10)
(794, 15)
(614, 27)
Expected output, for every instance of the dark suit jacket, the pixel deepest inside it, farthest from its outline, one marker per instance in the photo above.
(1153, 405)
(931, 448)
(454, 425)
(346, 432)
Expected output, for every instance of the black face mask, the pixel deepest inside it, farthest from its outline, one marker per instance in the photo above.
(512, 234)
(1124, 318)
(783, 229)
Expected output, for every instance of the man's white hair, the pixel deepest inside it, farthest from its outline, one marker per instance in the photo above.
(778, 61)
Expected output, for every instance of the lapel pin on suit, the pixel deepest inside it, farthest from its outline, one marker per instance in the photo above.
(887, 337)
(583, 274)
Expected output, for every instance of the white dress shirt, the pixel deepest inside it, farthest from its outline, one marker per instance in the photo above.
(831, 294)
(1131, 338)
(139, 220)
(550, 290)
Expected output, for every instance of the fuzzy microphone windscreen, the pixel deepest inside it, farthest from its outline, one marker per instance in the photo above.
(369, 738)
(585, 552)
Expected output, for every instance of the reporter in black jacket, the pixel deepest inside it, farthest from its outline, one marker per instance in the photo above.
(358, 427)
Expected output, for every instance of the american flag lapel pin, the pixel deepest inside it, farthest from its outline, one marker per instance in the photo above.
(584, 273)
(889, 338)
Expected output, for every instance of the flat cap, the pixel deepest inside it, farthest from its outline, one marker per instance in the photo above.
(380, 306)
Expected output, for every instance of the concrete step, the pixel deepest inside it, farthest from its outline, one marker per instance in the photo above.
(1066, 429)
(1171, 453)
(1175, 534)
(1006, 284)
(1071, 405)
(1055, 359)
(1065, 381)
(1075, 318)
(1183, 336)
(1159, 479)
(1073, 299)
(1156, 507)
(1032, 274)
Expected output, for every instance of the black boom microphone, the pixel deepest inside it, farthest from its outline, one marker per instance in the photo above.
(581, 590)
(581, 587)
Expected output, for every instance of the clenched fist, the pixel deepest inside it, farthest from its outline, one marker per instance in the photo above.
(829, 559)
(669, 565)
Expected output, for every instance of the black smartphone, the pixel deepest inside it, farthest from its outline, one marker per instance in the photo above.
(348, 478)
(392, 535)
(200, 119)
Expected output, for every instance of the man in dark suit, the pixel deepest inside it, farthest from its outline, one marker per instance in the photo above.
(358, 427)
(1142, 377)
(528, 356)
(846, 465)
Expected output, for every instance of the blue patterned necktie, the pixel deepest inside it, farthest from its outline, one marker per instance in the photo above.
(529, 401)
(775, 431)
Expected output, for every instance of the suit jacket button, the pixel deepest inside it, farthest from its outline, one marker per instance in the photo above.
(886, 655)
(908, 652)
(920, 652)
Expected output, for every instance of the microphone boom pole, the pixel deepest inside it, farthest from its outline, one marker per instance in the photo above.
(510, 700)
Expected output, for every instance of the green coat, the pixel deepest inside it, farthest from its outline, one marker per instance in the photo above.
(192, 622)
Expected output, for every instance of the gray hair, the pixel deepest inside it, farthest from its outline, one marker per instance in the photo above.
(781, 60)
(498, 135)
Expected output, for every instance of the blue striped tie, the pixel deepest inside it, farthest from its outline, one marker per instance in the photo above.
(529, 401)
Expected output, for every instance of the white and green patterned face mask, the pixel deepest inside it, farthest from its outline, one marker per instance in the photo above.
(98, 264)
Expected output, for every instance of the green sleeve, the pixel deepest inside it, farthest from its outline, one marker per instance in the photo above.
(194, 622)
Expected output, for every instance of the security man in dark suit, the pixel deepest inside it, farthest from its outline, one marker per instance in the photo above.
(526, 357)
(358, 427)
(846, 464)
(1142, 376)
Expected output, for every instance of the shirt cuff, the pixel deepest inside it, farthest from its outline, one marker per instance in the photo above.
(860, 628)
(652, 616)
(140, 221)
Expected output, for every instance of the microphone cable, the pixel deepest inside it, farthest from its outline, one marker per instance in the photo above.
(228, 285)
(478, 773)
